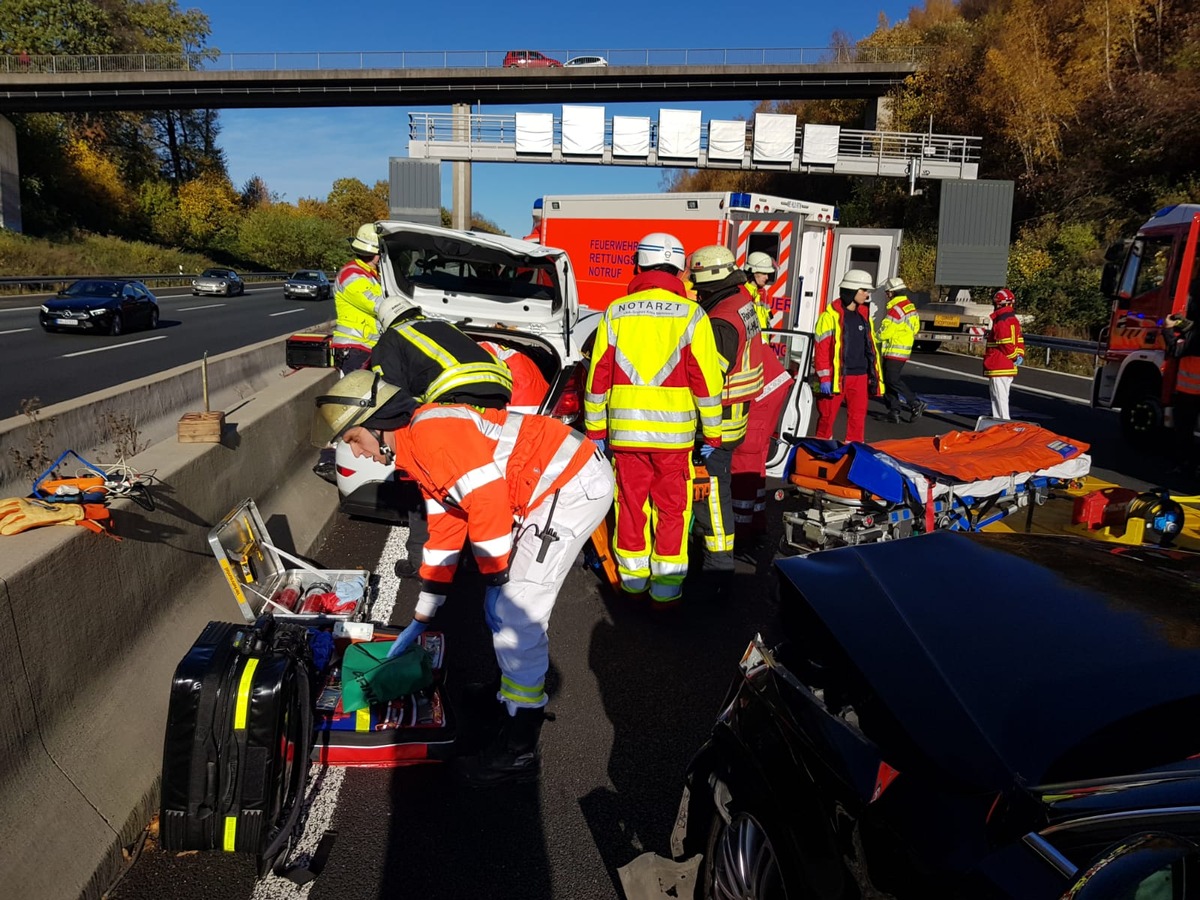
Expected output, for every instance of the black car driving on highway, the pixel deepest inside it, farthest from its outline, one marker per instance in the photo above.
(954, 716)
(105, 305)
(308, 284)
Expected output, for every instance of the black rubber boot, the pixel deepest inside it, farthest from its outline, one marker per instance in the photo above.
(513, 757)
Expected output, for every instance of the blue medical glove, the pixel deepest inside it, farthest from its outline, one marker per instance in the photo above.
(827, 388)
(603, 445)
(407, 637)
(490, 598)
(1020, 360)
(706, 450)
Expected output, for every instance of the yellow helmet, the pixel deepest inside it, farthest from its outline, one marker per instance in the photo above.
(366, 241)
(711, 263)
(350, 402)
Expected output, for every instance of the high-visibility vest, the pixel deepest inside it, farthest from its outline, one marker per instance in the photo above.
(898, 328)
(744, 373)
(450, 363)
(1187, 376)
(827, 355)
(479, 470)
(761, 309)
(358, 290)
(1005, 344)
(654, 371)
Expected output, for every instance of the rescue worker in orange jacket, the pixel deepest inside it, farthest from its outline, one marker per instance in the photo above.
(846, 357)
(529, 385)
(654, 372)
(526, 492)
(721, 291)
(1005, 351)
(748, 466)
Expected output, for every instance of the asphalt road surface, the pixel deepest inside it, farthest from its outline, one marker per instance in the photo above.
(634, 693)
(54, 366)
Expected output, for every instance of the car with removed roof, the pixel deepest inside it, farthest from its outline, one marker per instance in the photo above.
(585, 62)
(100, 305)
(1026, 731)
(308, 284)
(219, 281)
(529, 59)
(515, 293)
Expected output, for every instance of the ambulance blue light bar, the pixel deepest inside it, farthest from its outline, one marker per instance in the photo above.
(739, 200)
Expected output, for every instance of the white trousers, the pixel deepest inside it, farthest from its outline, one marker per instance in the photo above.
(999, 388)
(522, 612)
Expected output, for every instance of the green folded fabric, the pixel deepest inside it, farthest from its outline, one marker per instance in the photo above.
(370, 678)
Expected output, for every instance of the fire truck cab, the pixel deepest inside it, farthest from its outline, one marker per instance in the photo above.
(1148, 278)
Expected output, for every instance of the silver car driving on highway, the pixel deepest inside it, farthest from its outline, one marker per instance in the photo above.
(224, 282)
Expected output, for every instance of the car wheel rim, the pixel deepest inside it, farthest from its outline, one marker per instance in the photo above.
(745, 866)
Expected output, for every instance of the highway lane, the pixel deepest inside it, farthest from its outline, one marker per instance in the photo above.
(56, 366)
(634, 695)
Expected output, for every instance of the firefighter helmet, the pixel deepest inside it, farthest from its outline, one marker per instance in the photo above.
(389, 309)
(856, 280)
(661, 249)
(894, 285)
(759, 263)
(350, 402)
(366, 241)
(1004, 297)
(711, 263)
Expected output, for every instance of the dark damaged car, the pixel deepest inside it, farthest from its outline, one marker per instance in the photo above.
(1026, 726)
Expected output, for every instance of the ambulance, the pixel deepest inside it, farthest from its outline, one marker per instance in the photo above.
(1151, 276)
(600, 234)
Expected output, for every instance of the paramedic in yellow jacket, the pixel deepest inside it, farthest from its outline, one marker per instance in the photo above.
(654, 373)
(897, 330)
(760, 272)
(358, 290)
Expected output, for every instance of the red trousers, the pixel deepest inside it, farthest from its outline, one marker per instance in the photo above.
(749, 467)
(855, 391)
(653, 504)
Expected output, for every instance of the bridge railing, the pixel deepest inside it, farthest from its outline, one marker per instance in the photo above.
(209, 60)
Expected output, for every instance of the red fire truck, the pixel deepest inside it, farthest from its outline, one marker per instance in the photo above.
(1148, 278)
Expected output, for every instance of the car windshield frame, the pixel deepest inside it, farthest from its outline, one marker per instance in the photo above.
(306, 275)
(216, 273)
(94, 288)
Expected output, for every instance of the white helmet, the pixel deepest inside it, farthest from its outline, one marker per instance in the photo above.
(894, 284)
(390, 308)
(711, 263)
(661, 249)
(760, 263)
(366, 241)
(858, 280)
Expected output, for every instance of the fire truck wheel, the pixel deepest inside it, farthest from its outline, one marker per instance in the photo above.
(1142, 420)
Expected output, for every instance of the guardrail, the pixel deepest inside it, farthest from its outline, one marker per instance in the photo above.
(41, 64)
(39, 283)
(1063, 345)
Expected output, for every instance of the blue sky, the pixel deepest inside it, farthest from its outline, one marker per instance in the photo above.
(297, 160)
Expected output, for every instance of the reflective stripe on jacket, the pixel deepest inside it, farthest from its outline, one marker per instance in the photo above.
(744, 373)
(1004, 344)
(827, 355)
(435, 362)
(479, 470)
(1187, 376)
(358, 290)
(761, 308)
(898, 328)
(654, 371)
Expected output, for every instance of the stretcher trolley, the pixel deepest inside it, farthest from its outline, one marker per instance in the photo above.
(858, 493)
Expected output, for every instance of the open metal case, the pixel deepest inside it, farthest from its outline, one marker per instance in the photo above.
(261, 583)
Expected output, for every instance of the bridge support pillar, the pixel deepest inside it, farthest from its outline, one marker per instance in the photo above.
(10, 181)
(460, 172)
(879, 114)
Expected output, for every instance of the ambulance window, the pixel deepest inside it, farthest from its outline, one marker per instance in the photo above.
(764, 243)
(867, 259)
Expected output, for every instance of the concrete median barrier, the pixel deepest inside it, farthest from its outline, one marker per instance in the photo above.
(91, 630)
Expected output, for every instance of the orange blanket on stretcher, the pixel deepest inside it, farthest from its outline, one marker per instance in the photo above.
(1002, 449)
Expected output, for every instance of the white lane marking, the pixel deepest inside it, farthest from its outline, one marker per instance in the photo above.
(324, 786)
(1043, 371)
(286, 312)
(1017, 386)
(16, 331)
(161, 337)
(194, 308)
(19, 308)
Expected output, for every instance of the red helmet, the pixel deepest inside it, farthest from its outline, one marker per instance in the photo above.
(1004, 297)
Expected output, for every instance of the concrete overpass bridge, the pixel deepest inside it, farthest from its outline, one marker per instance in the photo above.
(458, 79)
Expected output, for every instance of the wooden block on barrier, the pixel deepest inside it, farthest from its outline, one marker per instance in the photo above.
(201, 428)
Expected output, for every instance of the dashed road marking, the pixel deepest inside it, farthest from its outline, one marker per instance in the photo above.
(1017, 386)
(194, 308)
(161, 337)
(286, 312)
(16, 330)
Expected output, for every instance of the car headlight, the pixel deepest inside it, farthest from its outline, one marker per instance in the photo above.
(98, 312)
(45, 308)
(194, 282)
